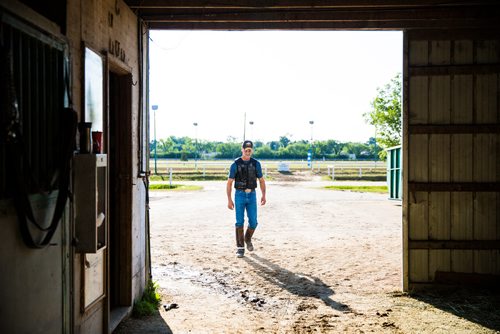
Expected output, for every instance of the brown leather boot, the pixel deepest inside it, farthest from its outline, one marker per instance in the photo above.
(240, 242)
(248, 239)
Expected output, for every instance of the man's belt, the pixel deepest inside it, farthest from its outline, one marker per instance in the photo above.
(245, 190)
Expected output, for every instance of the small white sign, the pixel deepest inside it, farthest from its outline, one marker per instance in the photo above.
(283, 167)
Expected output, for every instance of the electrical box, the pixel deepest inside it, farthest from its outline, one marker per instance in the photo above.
(90, 195)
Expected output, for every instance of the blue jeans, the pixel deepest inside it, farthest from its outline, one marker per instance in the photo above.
(248, 201)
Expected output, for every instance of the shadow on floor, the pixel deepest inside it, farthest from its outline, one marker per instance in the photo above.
(154, 324)
(480, 306)
(298, 284)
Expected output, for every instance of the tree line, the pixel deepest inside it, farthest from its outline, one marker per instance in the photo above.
(186, 148)
(385, 116)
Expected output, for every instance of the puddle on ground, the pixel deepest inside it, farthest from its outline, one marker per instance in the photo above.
(218, 282)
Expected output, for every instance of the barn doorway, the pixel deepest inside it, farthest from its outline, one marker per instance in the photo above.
(120, 194)
(313, 247)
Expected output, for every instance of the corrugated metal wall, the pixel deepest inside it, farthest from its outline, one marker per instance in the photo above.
(452, 198)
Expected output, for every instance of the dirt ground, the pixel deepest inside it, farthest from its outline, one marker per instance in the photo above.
(324, 262)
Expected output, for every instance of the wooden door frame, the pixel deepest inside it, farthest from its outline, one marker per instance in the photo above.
(123, 143)
(404, 152)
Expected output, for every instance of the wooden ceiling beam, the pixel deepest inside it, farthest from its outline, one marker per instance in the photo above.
(317, 15)
(324, 15)
(307, 25)
(301, 4)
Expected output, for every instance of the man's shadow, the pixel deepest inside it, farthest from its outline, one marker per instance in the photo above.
(298, 284)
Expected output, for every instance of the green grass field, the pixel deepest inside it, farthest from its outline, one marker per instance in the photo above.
(219, 169)
(175, 187)
(364, 189)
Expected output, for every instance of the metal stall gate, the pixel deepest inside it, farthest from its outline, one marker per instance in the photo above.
(34, 280)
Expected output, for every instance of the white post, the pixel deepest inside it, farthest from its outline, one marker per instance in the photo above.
(204, 170)
(265, 171)
(170, 177)
(360, 173)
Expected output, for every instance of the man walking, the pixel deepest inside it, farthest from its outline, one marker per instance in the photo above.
(244, 173)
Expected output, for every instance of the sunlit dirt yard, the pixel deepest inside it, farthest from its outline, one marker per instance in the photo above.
(324, 262)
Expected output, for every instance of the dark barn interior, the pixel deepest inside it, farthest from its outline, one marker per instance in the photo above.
(82, 275)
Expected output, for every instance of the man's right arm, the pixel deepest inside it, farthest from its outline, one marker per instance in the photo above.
(229, 186)
(229, 190)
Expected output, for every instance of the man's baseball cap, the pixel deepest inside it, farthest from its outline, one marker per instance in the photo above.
(247, 144)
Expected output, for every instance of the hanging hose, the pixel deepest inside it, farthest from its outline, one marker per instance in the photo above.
(148, 234)
(145, 177)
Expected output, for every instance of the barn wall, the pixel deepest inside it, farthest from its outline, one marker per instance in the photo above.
(42, 289)
(452, 116)
(110, 28)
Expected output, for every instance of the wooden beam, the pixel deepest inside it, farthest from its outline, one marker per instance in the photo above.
(456, 34)
(318, 15)
(454, 128)
(454, 244)
(482, 280)
(405, 155)
(318, 25)
(454, 69)
(201, 4)
(314, 14)
(454, 186)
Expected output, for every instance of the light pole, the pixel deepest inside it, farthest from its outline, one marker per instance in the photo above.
(195, 144)
(251, 130)
(154, 107)
(312, 123)
(310, 155)
(244, 126)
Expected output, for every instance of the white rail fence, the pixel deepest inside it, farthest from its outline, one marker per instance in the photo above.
(332, 168)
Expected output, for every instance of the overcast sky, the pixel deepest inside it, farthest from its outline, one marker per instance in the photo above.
(282, 80)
